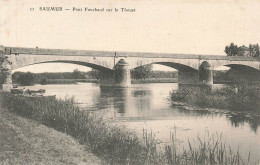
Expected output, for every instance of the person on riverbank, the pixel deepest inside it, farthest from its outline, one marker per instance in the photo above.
(23, 91)
(235, 89)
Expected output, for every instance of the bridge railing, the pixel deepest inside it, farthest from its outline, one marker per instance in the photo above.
(68, 52)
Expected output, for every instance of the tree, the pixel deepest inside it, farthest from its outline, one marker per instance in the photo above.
(94, 74)
(251, 49)
(163, 74)
(141, 72)
(43, 81)
(256, 51)
(27, 78)
(77, 74)
(5, 70)
(2, 75)
(15, 76)
(231, 50)
(227, 50)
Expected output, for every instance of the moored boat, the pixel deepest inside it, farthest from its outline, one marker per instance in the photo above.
(28, 91)
(37, 91)
(16, 91)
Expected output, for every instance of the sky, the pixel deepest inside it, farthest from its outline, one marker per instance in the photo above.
(170, 26)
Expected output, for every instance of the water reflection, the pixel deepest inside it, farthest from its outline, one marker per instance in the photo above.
(236, 119)
(126, 102)
(241, 119)
(119, 97)
(193, 112)
(141, 93)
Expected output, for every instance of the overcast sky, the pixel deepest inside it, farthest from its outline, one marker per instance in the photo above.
(168, 26)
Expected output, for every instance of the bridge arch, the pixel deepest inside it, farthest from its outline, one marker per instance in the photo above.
(99, 63)
(177, 66)
(243, 74)
(242, 67)
(235, 64)
(91, 65)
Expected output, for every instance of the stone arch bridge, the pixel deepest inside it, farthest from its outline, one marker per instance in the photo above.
(116, 66)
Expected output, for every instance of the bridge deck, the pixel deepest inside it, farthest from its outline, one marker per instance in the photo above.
(67, 52)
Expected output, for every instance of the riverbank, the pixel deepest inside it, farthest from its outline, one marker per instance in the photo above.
(114, 143)
(133, 81)
(25, 141)
(240, 99)
(154, 80)
(68, 81)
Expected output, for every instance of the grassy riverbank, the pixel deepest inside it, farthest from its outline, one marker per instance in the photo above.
(246, 98)
(115, 144)
(24, 141)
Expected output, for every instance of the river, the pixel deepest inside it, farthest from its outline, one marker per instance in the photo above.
(145, 106)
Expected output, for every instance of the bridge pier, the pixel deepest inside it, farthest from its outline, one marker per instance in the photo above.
(107, 79)
(122, 74)
(205, 74)
(119, 78)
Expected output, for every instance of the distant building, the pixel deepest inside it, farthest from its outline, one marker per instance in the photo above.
(244, 51)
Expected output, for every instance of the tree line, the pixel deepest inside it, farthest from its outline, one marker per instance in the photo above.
(28, 78)
(143, 72)
(234, 50)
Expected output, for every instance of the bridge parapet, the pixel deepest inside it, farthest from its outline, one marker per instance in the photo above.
(69, 52)
(61, 52)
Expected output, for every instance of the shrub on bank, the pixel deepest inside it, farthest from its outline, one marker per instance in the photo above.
(117, 145)
(246, 99)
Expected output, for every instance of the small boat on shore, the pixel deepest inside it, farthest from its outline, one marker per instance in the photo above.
(37, 91)
(28, 91)
(51, 96)
(40, 95)
(16, 91)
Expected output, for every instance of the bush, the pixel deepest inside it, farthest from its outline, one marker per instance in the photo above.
(43, 81)
(246, 99)
(26, 78)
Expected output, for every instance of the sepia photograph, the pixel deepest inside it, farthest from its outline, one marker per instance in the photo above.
(120, 82)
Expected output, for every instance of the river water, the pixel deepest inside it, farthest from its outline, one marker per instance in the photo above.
(145, 106)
